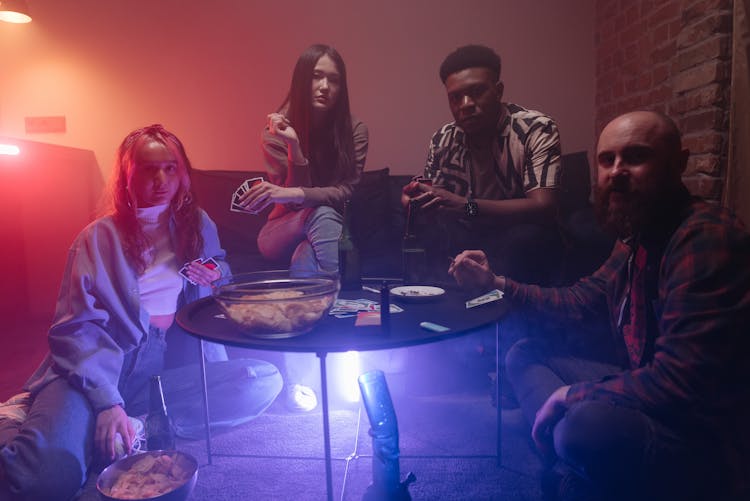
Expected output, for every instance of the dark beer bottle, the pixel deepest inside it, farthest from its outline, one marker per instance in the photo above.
(412, 250)
(349, 265)
(159, 431)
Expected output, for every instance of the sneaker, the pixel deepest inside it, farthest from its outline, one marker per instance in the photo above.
(300, 398)
(560, 483)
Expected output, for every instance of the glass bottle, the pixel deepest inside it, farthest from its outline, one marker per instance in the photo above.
(412, 250)
(349, 264)
(159, 431)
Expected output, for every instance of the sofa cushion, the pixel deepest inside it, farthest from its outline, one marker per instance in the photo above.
(237, 232)
(370, 210)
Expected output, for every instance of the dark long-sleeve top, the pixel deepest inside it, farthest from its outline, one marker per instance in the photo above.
(318, 178)
(695, 372)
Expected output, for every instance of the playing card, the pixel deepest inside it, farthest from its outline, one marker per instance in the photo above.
(241, 190)
(249, 183)
(367, 318)
(236, 207)
(210, 263)
(183, 273)
(492, 295)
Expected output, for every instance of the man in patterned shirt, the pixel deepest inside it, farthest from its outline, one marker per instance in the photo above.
(670, 420)
(495, 172)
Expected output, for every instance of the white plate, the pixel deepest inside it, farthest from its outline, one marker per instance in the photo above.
(416, 293)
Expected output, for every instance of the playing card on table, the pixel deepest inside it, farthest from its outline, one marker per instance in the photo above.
(492, 295)
(343, 308)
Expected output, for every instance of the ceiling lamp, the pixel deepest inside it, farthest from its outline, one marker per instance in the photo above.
(14, 11)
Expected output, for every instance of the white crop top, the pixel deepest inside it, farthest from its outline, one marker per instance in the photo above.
(160, 285)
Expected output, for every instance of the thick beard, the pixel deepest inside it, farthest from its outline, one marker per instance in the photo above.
(628, 220)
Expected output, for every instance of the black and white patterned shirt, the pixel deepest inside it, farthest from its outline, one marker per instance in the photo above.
(525, 156)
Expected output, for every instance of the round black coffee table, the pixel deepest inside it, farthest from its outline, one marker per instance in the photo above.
(204, 319)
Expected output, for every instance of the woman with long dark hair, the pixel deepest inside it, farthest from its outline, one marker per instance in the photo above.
(115, 314)
(314, 152)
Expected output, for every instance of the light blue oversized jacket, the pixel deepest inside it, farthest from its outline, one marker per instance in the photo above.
(99, 318)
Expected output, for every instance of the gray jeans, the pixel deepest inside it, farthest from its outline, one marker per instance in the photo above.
(307, 238)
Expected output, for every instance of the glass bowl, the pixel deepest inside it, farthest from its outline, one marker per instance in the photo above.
(276, 304)
(152, 475)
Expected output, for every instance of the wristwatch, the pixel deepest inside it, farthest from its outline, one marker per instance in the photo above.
(471, 208)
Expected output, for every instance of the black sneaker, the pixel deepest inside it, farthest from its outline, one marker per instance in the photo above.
(560, 483)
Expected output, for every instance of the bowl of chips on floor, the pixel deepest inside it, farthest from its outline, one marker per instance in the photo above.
(149, 476)
(276, 304)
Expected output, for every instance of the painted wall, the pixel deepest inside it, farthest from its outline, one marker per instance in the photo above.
(211, 71)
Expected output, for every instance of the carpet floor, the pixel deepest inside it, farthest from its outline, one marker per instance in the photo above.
(448, 441)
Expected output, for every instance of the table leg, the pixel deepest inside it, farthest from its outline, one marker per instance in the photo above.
(204, 387)
(326, 429)
(498, 393)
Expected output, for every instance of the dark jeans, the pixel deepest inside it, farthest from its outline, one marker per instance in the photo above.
(620, 452)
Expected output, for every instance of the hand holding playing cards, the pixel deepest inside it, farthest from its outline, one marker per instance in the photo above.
(472, 270)
(263, 194)
(201, 271)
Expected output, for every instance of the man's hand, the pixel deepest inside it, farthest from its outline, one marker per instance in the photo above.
(436, 197)
(472, 270)
(431, 197)
(547, 417)
(109, 423)
(264, 194)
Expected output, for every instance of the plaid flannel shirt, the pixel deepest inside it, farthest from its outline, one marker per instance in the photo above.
(695, 372)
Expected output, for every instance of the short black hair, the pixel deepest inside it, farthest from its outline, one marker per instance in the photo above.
(471, 56)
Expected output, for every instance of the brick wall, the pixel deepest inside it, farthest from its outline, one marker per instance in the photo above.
(673, 56)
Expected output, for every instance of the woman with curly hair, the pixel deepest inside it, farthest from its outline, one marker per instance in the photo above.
(120, 291)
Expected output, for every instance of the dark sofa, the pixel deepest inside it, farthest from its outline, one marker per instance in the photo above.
(378, 221)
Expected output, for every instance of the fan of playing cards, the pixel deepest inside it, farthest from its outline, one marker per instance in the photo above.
(208, 263)
(241, 190)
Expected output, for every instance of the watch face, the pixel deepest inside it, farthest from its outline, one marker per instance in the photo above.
(472, 209)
